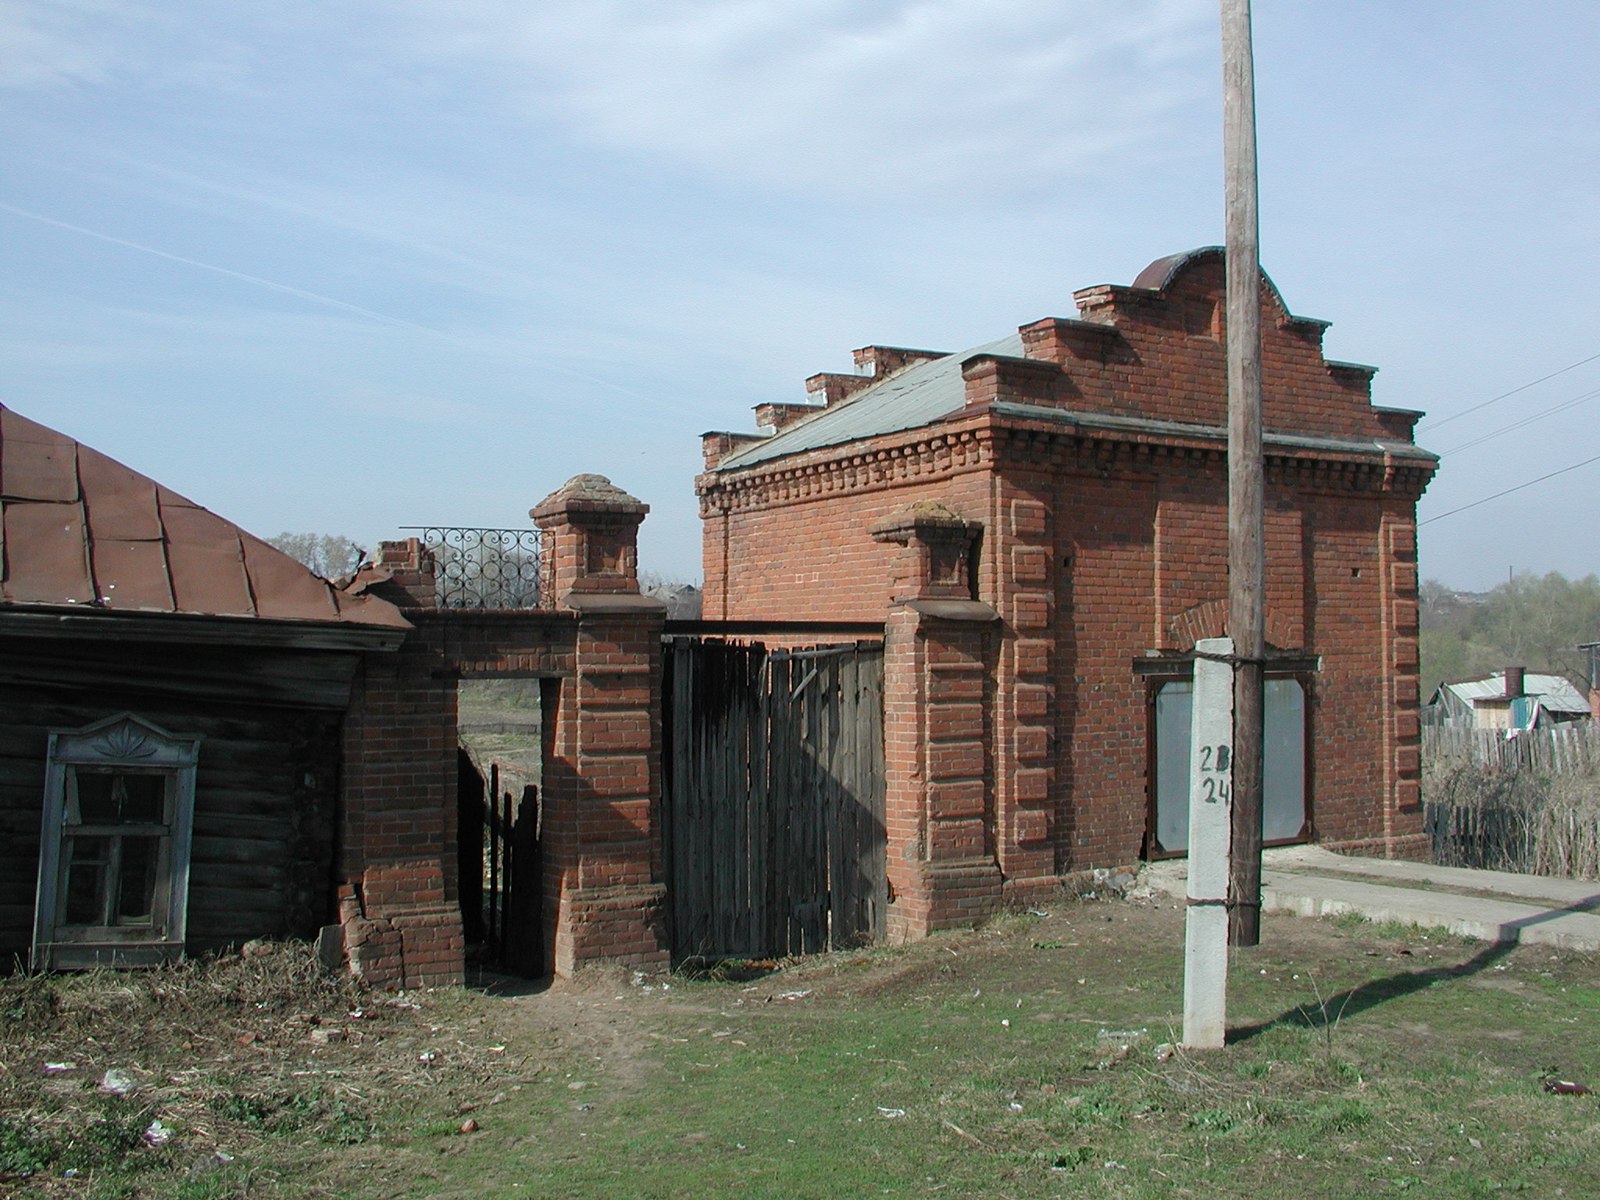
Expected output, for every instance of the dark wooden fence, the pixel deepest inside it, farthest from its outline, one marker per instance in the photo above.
(773, 812)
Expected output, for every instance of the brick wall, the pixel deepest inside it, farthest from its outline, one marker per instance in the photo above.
(599, 651)
(1102, 544)
(397, 843)
(804, 552)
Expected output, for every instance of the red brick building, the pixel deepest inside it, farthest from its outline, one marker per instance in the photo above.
(1045, 518)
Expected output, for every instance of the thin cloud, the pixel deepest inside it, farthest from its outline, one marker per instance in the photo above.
(51, 46)
(243, 276)
(305, 294)
(844, 98)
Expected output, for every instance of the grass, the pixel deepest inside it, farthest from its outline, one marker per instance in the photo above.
(242, 1072)
(1029, 1058)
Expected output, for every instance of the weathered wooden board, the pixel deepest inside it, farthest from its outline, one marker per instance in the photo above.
(265, 791)
(773, 813)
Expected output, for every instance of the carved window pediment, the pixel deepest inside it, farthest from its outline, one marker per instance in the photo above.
(114, 847)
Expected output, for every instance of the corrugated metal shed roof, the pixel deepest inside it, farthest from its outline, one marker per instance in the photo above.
(916, 396)
(80, 529)
(1555, 693)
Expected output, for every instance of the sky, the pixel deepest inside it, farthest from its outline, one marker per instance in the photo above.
(347, 266)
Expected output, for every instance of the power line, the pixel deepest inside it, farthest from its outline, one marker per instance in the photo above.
(1528, 420)
(1509, 490)
(1504, 395)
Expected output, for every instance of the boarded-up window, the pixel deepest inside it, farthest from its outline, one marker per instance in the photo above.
(114, 850)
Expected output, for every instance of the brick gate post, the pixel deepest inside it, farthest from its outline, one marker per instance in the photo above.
(397, 897)
(604, 894)
(940, 647)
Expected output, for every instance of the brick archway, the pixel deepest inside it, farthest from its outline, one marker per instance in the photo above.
(1210, 620)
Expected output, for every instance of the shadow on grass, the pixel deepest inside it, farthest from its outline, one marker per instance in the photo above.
(1365, 996)
(494, 983)
(727, 970)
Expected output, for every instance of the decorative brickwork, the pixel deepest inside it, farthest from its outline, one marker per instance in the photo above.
(939, 659)
(939, 773)
(591, 530)
(599, 653)
(602, 789)
(1093, 462)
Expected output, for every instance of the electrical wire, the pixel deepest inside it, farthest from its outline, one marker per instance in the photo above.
(1508, 491)
(1528, 420)
(1505, 395)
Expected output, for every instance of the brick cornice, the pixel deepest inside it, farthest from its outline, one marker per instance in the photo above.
(1103, 451)
(928, 453)
(1080, 443)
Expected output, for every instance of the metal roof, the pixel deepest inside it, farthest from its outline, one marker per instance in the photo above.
(916, 396)
(80, 530)
(1555, 693)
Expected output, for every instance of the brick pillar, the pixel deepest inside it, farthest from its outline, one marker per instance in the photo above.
(410, 568)
(1402, 832)
(1027, 785)
(397, 858)
(939, 652)
(591, 539)
(604, 895)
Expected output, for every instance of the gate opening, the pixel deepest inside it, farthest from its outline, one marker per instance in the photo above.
(500, 766)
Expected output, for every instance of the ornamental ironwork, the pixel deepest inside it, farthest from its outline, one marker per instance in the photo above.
(482, 568)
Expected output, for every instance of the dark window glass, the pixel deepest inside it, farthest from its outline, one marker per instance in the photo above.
(144, 798)
(137, 883)
(86, 880)
(113, 798)
(97, 801)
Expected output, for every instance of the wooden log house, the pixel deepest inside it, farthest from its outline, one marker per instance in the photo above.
(172, 696)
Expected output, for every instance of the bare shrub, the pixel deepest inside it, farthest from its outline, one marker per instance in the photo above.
(1514, 819)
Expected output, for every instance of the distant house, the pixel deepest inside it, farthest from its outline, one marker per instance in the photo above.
(172, 698)
(1511, 701)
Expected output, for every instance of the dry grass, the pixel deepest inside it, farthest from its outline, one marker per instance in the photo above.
(226, 1054)
(1520, 820)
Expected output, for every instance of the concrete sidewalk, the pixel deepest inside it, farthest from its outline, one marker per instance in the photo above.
(1493, 906)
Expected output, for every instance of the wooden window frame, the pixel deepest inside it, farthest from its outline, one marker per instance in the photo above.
(1158, 670)
(119, 745)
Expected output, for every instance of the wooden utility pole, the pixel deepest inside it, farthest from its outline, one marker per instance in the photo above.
(1247, 577)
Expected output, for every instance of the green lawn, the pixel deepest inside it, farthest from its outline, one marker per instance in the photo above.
(1024, 1059)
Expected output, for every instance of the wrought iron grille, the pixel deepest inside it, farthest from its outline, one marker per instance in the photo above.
(483, 568)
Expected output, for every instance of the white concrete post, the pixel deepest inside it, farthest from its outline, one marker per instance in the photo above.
(1205, 950)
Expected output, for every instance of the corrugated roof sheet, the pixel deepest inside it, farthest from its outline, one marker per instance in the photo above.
(916, 396)
(80, 529)
(1555, 693)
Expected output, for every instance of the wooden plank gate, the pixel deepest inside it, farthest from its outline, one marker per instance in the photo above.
(773, 810)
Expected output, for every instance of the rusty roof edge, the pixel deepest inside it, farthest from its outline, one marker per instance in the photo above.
(41, 620)
(213, 533)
